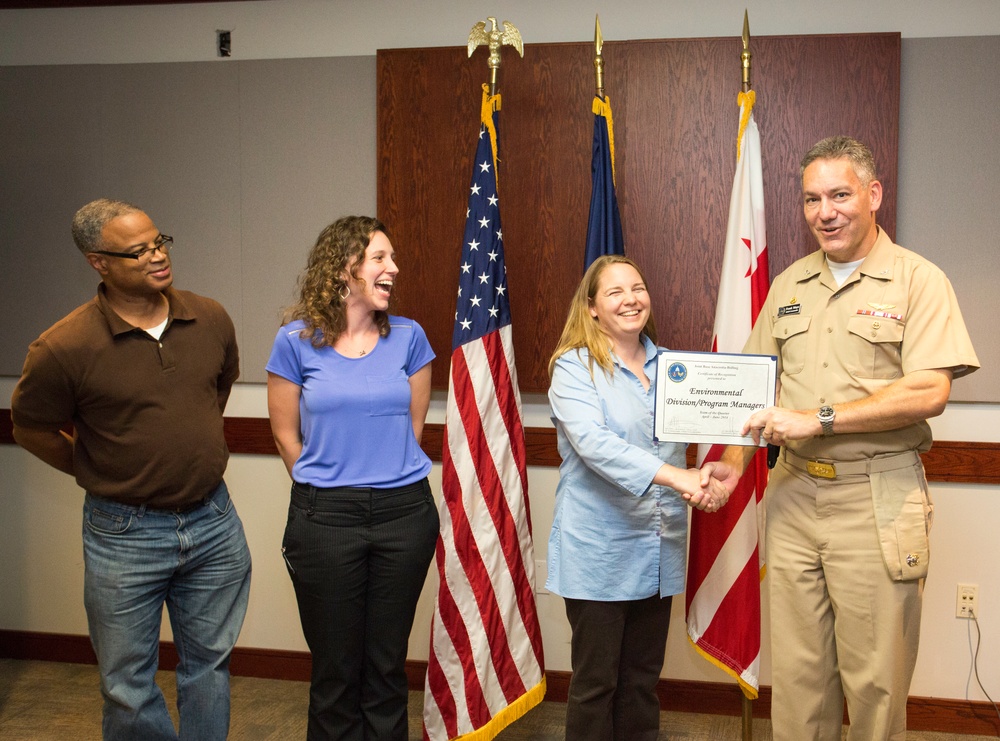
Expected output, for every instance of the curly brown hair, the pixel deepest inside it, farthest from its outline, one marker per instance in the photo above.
(340, 247)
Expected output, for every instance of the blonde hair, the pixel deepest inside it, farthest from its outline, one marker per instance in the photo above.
(339, 248)
(582, 330)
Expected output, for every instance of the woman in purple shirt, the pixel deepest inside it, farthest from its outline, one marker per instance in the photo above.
(348, 387)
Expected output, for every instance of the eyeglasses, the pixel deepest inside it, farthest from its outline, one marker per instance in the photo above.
(163, 243)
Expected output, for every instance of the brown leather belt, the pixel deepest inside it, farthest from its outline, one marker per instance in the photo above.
(821, 469)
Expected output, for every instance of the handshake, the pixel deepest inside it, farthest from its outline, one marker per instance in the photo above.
(707, 488)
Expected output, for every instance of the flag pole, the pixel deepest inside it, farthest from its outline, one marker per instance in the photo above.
(604, 227)
(745, 55)
(598, 59)
(745, 65)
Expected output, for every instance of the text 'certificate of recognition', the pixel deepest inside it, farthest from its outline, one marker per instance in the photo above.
(706, 397)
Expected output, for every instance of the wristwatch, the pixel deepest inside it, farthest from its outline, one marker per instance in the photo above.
(825, 416)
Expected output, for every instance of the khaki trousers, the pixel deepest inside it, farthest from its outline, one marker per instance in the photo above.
(840, 627)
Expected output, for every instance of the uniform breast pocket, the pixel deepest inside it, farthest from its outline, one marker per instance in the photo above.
(790, 332)
(388, 395)
(875, 347)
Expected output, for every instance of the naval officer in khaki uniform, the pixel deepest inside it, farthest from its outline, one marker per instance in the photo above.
(868, 338)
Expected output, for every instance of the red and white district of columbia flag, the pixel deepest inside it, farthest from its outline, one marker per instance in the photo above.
(726, 563)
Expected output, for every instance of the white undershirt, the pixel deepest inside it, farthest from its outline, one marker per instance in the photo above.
(158, 329)
(842, 270)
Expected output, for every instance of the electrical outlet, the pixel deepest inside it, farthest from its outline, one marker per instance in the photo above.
(967, 601)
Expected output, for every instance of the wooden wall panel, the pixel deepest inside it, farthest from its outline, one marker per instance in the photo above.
(675, 119)
(427, 136)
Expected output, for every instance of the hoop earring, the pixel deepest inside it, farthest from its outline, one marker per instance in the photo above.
(343, 296)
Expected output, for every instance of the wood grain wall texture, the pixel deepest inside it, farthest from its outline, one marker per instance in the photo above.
(675, 125)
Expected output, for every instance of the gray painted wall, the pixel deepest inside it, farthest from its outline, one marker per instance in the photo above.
(949, 174)
(242, 164)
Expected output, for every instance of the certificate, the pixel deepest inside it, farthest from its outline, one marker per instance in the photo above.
(707, 397)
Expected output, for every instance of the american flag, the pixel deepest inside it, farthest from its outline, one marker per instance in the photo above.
(604, 227)
(725, 563)
(485, 668)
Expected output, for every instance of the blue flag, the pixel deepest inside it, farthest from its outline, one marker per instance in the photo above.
(604, 228)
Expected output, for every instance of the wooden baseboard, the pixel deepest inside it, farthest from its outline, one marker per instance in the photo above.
(713, 698)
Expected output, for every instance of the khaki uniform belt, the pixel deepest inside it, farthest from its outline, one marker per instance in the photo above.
(826, 469)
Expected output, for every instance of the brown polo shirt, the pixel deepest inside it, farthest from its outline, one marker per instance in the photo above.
(146, 412)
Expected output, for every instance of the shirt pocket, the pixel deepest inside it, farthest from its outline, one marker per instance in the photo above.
(388, 395)
(791, 335)
(874, 347)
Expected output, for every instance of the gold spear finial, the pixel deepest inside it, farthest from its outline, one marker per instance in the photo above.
(745, 56)
(598, 59)
(494, 39)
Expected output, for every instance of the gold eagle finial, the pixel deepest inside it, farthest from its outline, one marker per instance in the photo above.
(494, 38)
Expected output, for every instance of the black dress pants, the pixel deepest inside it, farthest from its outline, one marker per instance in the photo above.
(358, 559)
(617, 655)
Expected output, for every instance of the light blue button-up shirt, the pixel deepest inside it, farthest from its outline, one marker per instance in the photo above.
(615, 535)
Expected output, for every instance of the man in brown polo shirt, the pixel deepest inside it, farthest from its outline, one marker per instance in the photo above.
(141, 375)
(868, 337)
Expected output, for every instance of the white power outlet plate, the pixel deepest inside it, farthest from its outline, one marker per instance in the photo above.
(967, 601)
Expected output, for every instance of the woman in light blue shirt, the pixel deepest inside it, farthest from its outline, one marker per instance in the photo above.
(617, 548)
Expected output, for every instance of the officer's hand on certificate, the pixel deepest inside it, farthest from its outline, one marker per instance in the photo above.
(777, 425)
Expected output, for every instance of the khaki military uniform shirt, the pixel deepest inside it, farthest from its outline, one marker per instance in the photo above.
(896, 314)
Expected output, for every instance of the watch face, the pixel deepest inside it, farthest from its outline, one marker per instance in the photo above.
(825, 413)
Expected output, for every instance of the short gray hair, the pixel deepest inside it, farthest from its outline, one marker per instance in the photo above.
(843, 147)
(89, 222)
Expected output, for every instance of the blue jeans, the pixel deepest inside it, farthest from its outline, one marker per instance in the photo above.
(198, 563)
